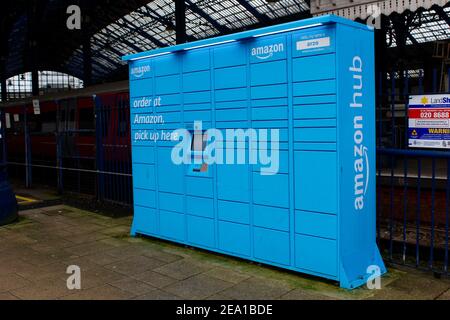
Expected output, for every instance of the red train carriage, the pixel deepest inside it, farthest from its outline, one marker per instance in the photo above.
(72, 115)
(64, 147)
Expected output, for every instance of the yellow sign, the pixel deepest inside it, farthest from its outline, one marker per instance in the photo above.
(424, 100)
(439, 131)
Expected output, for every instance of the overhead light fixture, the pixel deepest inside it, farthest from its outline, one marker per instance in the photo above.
(209, 44)
(286, 30)
(151, 56)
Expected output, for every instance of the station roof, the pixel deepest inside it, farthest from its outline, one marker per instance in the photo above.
(121, 27)
(425, 25)
(34, 32)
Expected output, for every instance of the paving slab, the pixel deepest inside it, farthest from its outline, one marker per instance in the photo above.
(227, 274)
(7, 296)
(445, 295)
(155, 279)
(158, 294)
(162, 255)
(11, 282)
(55, 270)
(258, 289)
(135, 265)
(301, 294)
(99, 276)
(198, 287)
(133, 286)
(103, 258)
(183, 269)
(127, 251)
(88, 248)
(43, 289)
(105, 292)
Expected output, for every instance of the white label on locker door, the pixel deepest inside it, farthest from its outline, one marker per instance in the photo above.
(16, 117)
(313, 43)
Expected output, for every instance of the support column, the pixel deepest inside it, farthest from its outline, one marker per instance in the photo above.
(180, 21)
(28, 161)
(3, 85)
(4, 88)
(35, 83)
(33, 54)
(380, 45)
(87, 62)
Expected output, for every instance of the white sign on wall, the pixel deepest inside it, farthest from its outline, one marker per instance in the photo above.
(36, 106)
(7, 120)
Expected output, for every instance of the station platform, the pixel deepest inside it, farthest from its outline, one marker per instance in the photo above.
(24, 200)
(35, 197)
(36, 251)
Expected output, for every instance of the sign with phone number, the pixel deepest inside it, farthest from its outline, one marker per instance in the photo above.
(429, 121)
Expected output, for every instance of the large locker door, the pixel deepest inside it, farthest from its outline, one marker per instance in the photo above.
(315, 155)
(270, 183)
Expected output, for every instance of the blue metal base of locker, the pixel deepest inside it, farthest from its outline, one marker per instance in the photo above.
(8, 207)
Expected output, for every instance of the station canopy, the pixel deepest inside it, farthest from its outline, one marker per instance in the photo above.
(34, 33)
(117, 28)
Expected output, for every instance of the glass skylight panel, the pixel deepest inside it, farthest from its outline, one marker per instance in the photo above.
(229, 13)
(280, 8)
(431, 27)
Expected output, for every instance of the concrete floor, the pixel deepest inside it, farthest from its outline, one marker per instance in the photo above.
(36, 251)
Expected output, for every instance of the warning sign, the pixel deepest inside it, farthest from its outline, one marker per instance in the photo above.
(429, 121)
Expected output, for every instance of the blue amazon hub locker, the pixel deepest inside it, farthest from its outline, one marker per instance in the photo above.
(312, 82)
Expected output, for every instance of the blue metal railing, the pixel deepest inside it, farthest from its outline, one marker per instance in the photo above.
(413, 185)
(113, 152)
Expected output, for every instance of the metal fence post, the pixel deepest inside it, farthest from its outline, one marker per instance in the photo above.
(28, 162)
(99, 163)
(3, 159)
(59, 161)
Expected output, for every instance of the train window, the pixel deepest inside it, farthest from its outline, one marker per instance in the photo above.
(62, 119)
(123, 126)
(123, 123)
(105, 117)
(48, 122)
(16, 124)
(86, 119)
(34, 123)
(71, 120)
(67, 118)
